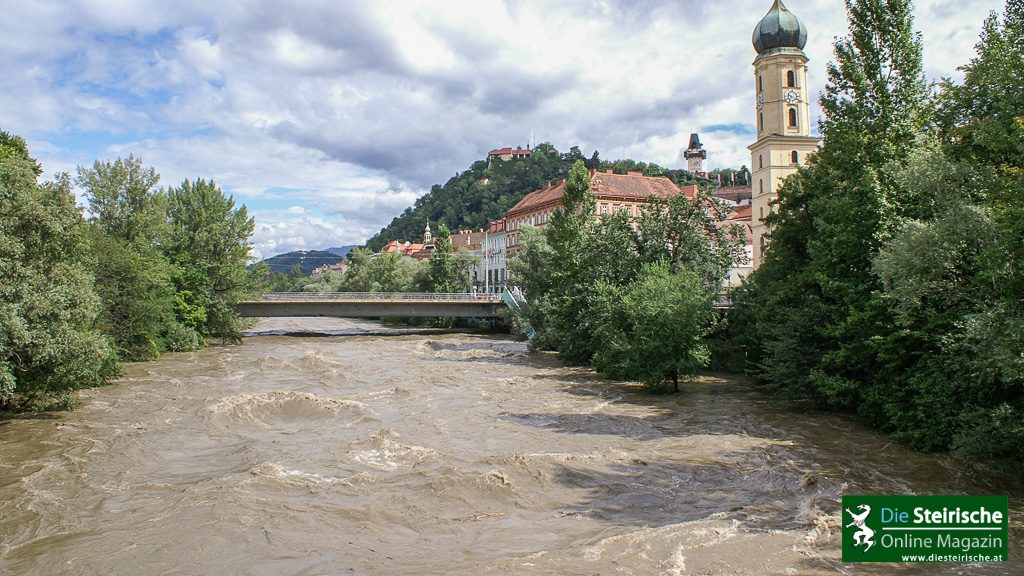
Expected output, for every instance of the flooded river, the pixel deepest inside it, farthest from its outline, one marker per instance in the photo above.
(373, 451)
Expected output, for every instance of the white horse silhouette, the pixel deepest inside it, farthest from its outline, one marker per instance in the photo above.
(865, 534)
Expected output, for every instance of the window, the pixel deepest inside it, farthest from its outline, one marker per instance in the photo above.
(760, 120)
(761, 184)
(792, 117)
(604, 208)
(796, 157)
(791, 79)
(760, 84)
(762, 213)
(760, 161)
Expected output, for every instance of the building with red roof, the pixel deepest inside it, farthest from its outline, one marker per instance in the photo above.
(612, 192)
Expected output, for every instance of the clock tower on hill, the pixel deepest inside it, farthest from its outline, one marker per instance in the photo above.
(782, 113)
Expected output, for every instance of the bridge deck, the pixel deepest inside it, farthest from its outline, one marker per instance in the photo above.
(371, 305)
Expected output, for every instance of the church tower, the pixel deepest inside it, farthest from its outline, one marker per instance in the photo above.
(782, 113)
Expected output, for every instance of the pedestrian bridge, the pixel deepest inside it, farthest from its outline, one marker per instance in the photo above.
(371, 305)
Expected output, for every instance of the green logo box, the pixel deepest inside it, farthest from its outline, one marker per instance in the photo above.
(967, 529)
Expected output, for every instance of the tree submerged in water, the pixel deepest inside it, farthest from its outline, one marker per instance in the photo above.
(653, 329)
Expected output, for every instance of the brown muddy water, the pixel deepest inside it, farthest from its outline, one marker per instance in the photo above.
(371, 451)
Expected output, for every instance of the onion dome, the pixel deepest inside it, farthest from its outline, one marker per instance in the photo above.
(780, 28)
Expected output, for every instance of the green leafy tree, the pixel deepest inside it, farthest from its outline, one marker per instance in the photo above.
(953, 278)
(654, 328)
(137, 295)
(48, 345)
(124, 200)
(129, 221)
(472, 199)
(569, 235)
(445, 275)
(691, 234)
(209, 246)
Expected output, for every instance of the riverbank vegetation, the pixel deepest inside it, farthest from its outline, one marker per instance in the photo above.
(151, 270)
(635, 299)
(894, 281)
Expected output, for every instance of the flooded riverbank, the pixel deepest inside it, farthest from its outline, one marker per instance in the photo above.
(374, 451)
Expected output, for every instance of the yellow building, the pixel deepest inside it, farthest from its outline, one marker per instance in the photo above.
(783, 113)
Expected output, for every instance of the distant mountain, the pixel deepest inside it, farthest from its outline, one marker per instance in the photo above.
(342, 251)
(308, 260)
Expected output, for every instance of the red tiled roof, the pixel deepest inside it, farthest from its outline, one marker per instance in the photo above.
(510, 150)
(742, 212)
(631, 186)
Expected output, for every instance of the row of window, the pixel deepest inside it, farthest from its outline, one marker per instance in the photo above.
(794, 157)
(792, 119)
(604, 208)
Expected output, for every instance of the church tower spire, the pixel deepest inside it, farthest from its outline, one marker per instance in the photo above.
(782, 113)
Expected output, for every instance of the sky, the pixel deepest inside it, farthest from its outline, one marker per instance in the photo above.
(327, 118)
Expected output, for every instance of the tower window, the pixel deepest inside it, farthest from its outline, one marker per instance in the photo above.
(791, 79)
(760, 161)
(760, 84)
(761, 185)
(796, 157)
(760, 119)
(792, 117)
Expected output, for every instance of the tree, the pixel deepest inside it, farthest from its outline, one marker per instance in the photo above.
(569, 235)
(691, 235)
(952, 277)
(137, 296)
(48, 345)
(128, 223)
(653, 329)
(123, 198)
(209, 246)
(444, 271)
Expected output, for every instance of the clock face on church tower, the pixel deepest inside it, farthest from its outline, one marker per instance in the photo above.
(792, 97)
(760, 101)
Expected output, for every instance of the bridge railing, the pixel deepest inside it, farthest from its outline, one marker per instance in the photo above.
(381, 296)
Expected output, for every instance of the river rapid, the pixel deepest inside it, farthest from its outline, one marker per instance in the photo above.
(377, 451)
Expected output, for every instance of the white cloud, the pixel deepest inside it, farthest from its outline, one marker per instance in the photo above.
(350, 110)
